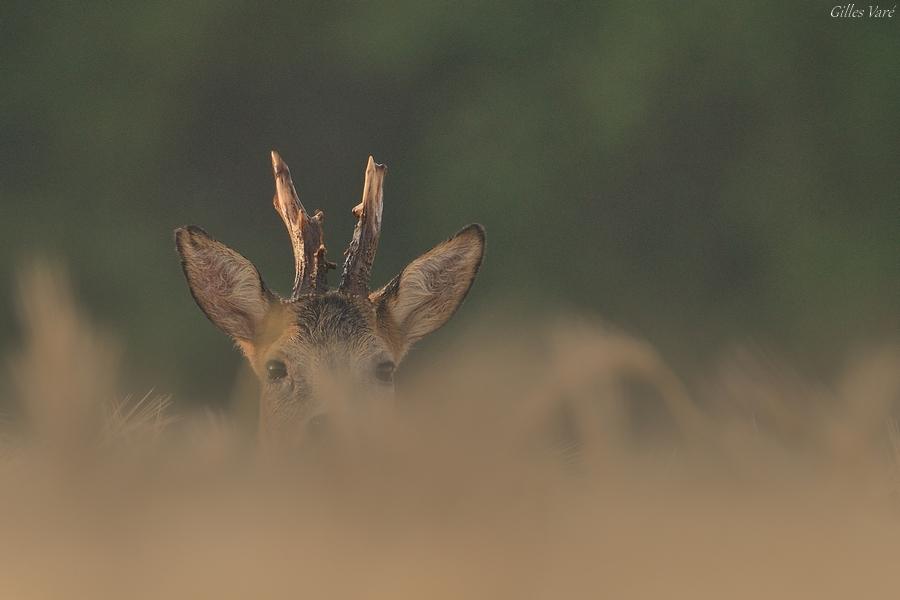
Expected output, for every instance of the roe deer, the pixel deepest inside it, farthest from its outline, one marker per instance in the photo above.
(302, 346)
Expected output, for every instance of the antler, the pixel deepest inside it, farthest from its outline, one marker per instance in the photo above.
(307, 235)
(361, 252)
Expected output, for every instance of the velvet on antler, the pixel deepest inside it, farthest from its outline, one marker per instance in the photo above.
(361, 253)
(306, 233)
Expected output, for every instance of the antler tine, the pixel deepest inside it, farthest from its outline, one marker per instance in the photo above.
(307, 234)
(361, 252)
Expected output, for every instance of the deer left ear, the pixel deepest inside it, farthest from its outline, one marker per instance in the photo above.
(226, 286)
(429, 290)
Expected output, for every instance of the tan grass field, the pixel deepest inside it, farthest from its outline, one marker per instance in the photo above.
(515, 468)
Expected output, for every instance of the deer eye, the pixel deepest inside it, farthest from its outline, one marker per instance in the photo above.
(275, 370)
(384, 371)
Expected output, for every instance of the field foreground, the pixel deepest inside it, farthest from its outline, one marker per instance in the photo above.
(577, 465)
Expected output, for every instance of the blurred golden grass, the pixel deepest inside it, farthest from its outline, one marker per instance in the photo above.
(567, 461)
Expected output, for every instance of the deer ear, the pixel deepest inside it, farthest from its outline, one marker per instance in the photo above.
(429, 290)
(225, 285)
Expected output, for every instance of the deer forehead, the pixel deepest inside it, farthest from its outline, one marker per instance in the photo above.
(330, 328)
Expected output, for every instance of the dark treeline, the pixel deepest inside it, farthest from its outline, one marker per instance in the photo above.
(696, 173)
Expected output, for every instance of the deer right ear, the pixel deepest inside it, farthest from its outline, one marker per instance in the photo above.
(430, 289)
(225, 285)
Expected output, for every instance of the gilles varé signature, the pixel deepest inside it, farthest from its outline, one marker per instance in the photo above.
(873, 11)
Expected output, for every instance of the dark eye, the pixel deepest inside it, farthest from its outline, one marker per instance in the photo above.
(384, 371)
(275, 370)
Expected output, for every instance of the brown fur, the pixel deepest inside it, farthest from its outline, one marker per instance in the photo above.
(325, 344)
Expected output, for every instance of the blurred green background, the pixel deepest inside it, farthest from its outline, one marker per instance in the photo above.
(698, 173)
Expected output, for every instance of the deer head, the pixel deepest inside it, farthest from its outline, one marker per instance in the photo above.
(317, 342)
